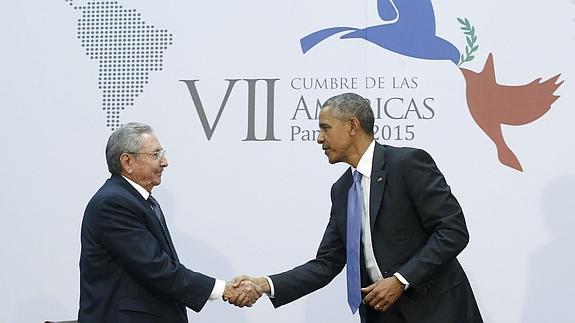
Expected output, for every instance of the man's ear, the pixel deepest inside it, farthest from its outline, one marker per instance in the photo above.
(355, 126)
(126, 162)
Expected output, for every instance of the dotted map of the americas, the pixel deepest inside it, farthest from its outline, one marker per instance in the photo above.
(127, 50)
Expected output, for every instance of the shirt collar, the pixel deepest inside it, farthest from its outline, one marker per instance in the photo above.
(366, 160)
(145, 194)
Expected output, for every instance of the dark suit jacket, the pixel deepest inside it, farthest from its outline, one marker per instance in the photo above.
(418, 229)
(129, 271)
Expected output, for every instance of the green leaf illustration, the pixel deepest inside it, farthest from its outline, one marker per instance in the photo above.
(471, 38)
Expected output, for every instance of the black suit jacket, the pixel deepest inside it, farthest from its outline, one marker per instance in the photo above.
(418, 229)
(129, 271)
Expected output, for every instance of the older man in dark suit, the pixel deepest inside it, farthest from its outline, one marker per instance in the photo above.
(129, 268)
(393, 222)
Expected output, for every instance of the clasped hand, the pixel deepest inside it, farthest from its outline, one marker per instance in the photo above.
(243, 293)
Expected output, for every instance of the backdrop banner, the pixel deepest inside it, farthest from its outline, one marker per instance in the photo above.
(233, 91)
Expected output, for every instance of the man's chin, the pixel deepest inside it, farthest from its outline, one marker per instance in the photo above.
(332, 160)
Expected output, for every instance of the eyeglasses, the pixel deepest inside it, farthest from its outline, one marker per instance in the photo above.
(158, 155)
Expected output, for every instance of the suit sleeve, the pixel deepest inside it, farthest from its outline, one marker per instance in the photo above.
(122, 229)
(439, 213)
(316, 273)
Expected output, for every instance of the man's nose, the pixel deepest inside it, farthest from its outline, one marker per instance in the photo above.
(164, 161)
(320, 138)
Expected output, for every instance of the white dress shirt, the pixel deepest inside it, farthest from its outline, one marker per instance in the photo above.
(220, 285)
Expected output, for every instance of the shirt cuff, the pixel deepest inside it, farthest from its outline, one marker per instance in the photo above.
(272, 293)
(218, 291)
(402, 280)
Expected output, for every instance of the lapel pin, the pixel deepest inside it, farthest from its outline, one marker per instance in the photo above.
(379, 179)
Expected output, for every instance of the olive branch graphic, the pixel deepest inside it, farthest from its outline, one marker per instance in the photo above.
(471, 38)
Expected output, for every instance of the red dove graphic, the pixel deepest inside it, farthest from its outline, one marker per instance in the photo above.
(492, 105)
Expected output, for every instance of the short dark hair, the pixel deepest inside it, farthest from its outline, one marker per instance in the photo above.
(348, 105)
(126, 139)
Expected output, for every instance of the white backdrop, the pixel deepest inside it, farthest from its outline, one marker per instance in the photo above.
(260, 206)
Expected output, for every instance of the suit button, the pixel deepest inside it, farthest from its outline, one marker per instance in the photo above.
(386, 274)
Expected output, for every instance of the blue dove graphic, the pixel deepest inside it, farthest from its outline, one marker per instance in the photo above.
(408, 29)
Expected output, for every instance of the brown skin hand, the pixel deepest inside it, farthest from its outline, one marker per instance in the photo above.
(382, 294)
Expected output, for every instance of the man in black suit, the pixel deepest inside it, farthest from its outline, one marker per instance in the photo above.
(410, 228)
(129, 269)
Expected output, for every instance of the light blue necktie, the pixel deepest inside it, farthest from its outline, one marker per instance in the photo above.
(354, 211)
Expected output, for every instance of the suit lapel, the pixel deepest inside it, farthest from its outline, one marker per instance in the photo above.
(340, 202)
(377, 183)
(165, 233)
(156, 227)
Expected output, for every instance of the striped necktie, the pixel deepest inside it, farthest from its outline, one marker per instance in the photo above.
(160, 216)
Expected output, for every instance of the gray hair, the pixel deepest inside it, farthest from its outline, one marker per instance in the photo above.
(348, 105)
(126, 139)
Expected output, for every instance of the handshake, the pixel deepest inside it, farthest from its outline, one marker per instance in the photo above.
(245, 290)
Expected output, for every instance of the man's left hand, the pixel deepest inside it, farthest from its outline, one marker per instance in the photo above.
(383, 293)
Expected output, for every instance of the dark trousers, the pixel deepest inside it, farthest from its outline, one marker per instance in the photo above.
(393, 315)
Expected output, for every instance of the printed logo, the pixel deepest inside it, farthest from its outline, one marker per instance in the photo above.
(408, 28)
